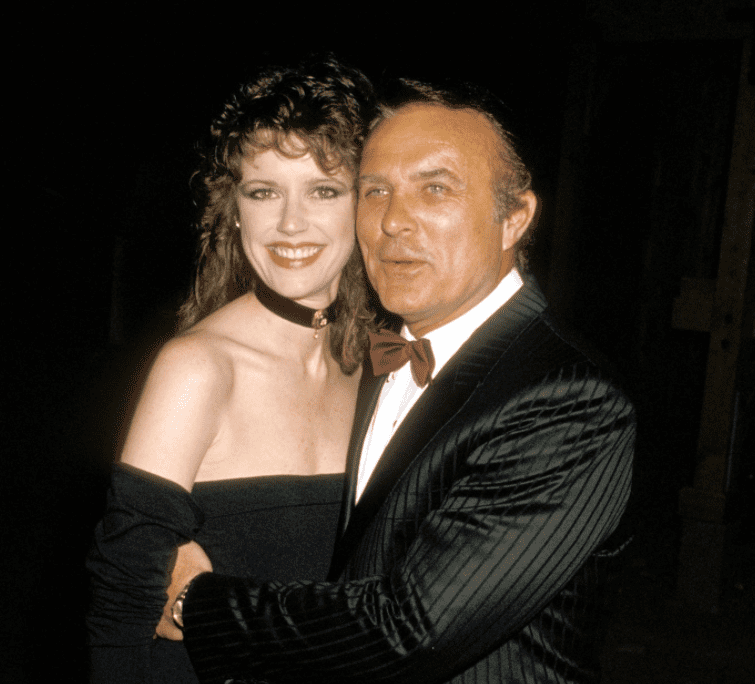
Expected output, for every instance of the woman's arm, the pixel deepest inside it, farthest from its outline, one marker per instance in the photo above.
(149, 509)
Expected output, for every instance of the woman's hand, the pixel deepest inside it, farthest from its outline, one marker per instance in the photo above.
(191, 560)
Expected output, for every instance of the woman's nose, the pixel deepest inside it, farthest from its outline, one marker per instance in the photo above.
(293, 220)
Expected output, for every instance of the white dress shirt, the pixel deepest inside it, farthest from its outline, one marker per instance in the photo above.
(400, 392)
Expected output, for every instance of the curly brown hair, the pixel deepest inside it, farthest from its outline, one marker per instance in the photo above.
(326, 106)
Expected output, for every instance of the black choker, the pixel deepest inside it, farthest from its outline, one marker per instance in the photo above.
(291, 311)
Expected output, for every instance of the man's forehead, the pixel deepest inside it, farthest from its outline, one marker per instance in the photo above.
(431, 119)
(428, 138)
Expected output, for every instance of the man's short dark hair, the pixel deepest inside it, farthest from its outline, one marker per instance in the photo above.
(511, 176)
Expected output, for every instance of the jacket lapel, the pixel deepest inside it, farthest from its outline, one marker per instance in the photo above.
(367, 398)
(447, 394)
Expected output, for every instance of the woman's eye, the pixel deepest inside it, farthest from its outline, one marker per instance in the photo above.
(326, 192)
(259, 193)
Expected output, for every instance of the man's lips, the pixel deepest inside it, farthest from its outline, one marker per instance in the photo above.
(401, 259)
(286, 255)
(402, 255)
(401, 266)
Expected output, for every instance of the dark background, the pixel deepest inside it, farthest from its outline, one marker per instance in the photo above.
(107, 104)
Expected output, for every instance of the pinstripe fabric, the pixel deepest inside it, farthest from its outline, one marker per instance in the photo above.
(477, 551)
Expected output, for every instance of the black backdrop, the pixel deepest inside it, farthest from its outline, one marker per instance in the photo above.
(106, 106)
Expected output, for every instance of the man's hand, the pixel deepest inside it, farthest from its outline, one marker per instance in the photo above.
(191, 561)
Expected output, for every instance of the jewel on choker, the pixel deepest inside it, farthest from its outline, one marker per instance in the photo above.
(286, 308)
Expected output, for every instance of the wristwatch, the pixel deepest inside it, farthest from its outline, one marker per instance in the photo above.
(177, 610)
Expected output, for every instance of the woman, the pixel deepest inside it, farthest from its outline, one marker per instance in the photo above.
(250, 407)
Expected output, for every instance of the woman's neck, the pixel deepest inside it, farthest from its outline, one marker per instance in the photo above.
(307, 347)
(292, 311)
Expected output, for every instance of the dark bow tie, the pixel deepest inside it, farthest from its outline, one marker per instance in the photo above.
(389, 351)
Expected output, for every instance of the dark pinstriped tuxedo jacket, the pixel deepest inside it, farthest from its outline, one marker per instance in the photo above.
(475, 553)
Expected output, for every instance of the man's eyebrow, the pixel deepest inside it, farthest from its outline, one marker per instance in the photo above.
(440, 173)
(370, 178)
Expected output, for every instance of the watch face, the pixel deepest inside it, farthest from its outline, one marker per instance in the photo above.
(177, 612)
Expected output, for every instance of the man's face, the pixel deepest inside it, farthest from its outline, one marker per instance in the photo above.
(426, 214)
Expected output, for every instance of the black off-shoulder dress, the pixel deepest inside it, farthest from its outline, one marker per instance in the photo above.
(277, 527)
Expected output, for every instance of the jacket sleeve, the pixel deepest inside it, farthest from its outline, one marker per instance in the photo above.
(542, 481)
(146, 518)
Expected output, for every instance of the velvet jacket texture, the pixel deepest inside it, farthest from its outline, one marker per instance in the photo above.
(478, 549)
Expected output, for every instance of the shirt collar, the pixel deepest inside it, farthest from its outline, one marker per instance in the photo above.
(447, 339)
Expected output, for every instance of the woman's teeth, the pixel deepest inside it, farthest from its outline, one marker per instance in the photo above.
(298, 253)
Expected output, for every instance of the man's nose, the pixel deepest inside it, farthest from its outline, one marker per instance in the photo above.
(398, 217)
(293, 220)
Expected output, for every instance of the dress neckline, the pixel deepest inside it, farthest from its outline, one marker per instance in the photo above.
(262, 479)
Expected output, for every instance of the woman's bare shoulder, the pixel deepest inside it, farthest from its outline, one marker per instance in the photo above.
(194, 358)
(233, 344)
(230, 331)
(181, 408)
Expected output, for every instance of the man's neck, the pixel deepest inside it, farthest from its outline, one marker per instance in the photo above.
(446, 339)
(422, 328)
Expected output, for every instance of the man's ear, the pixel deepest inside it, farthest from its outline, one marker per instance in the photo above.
(516, 224)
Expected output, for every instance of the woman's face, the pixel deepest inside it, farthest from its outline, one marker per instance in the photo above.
(297, 224)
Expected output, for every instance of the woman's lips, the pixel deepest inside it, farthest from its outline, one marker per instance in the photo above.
(287, 255)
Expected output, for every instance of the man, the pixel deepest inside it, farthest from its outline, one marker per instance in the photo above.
(486, 500)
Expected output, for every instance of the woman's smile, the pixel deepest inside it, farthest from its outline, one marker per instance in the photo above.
(286, 255)
(296, 223)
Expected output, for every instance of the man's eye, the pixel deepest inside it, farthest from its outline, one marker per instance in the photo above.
(436, 189)
(372, 192)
